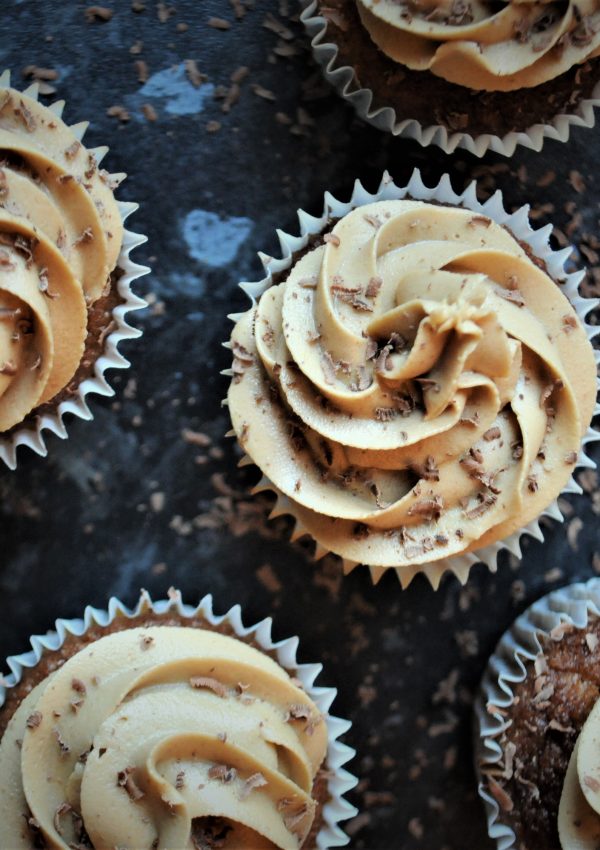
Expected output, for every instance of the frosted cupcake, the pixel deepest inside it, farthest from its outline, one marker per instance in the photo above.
(417, 386)
(477, 74)
(61, 236)
(170, 728)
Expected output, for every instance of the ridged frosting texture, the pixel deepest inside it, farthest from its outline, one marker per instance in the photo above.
(160, 738)
(60, 237)
(417, 386)
(579, 809)
(484, 45)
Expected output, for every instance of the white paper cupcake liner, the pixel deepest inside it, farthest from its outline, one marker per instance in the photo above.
(340, 781)
(342, 78)
(538, 240)
(517, 648)
(33, 436)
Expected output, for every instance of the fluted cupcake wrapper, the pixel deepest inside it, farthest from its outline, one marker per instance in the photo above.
(340, 781)
(537, 240)
(34, 437)
(518, 647)
(342, 78)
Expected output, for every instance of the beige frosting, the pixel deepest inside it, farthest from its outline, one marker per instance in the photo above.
(417, 387)
(60, 237)
(579, 809)
(483, 45)
(146, 734)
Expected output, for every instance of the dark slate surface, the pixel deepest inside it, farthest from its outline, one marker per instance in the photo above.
(84, 523)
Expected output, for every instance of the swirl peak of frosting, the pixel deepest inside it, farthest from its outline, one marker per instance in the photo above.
(417, 386)
(60, 237)
(485, 45)
(162, 737)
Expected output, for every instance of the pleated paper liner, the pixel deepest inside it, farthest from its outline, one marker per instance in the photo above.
(517, 648)
(34, 436)
(519, 225)
(342, 78)
(339, 781)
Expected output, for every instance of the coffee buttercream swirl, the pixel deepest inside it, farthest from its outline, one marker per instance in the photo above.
(161, 738)
(417, 387)
(485, 45)
(60, 237)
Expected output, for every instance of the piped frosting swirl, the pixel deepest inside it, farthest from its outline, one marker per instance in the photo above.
(60, 237)
(485, 45)
(162, 737)
(417, 386)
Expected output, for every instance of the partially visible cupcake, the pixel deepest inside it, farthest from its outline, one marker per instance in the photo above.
(61, 237)
(538, 716)
(168, 727)
(476, 69)
(417, 386)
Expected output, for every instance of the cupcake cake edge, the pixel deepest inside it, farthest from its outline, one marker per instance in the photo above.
(519, 645)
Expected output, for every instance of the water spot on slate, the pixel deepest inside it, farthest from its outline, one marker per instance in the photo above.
(171, 84)
(176, 283)
(214, 240)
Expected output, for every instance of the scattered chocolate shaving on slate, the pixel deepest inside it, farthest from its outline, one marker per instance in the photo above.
(219, 23)
(193, 73)
(94, 14)
(118, 111)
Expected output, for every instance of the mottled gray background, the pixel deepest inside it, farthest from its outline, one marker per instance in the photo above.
(127, 502)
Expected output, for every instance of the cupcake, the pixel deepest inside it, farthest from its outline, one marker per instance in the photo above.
(538, 717)
(417, 385)
(168, 727)
(454, 73)
(62, 295)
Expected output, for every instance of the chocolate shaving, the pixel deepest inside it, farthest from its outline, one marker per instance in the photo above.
(512, 295)
(484, 503)
(8, 368)
(193, 73)
(73, 149)
(427, 509)
(222, 773)
(257, 780)
(373, 287)
(79, 686)
(210, 684)
(493, 433)
(333, 239)
(385, 414)
(63, 747)
(34, 720)
(126, 780)
(428, 470)
(298, 711)
(63, 809)
(26, 117)
(98, 13)
(329, 368)
(180, 780)
(476, 220)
